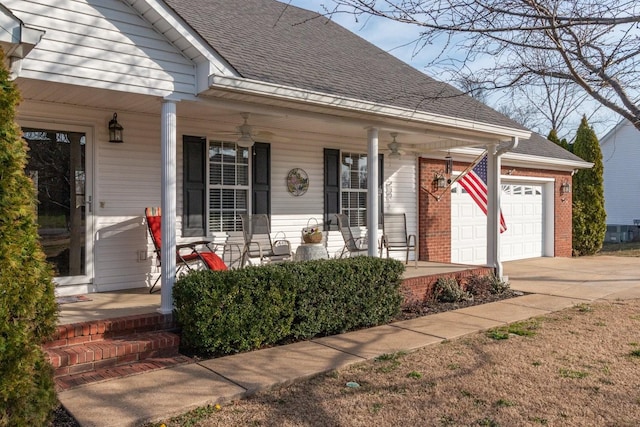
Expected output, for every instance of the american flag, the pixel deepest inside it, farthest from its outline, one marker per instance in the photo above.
(475, 182)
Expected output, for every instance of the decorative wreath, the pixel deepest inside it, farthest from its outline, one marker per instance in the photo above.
(297, 182)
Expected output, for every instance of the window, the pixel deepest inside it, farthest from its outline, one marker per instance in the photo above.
(228, 185)
(353, 191)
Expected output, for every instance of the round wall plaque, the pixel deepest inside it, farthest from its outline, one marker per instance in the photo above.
(297, 182)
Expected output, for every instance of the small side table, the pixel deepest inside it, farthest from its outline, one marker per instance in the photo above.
(309, 251)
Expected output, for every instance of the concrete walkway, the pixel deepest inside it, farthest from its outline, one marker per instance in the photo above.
(553, 284)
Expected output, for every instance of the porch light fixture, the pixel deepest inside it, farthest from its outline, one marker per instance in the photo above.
(448, 164)
(115, 130)
(394, 146)
(439, 181)
(245, 140)
(565, 188)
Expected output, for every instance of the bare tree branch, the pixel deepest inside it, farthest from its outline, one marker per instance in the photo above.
(591, 44)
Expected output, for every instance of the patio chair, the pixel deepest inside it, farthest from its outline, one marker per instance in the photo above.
(258, 242)
(352, 245)
(395, 236)
(188, 256)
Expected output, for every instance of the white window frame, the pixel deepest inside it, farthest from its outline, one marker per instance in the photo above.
(237, 226)
(359, 220)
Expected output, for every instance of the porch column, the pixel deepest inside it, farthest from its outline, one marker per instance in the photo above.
(372, 191)
(168, 138)
(494, 190)
(493, 209)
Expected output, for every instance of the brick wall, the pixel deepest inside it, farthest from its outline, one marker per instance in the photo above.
(434, 207)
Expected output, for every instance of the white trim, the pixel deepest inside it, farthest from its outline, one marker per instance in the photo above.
(206, 62)
(528, 161)
(288, 93)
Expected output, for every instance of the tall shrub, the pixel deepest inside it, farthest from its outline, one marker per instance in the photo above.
(553, 137)
(589, 217)
(27, 302)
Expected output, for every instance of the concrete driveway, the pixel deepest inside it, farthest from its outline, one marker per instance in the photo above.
(584, 278)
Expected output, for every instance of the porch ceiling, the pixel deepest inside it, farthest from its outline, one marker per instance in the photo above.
(271, 119)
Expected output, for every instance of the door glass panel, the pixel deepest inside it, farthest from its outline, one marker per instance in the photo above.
(57, 167)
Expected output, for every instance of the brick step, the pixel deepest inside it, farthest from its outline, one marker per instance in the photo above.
(104, 374)
(107, 353)
(98, 330)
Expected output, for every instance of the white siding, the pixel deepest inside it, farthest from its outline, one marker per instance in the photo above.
(104, 45)
(290, 214)
(621, 160)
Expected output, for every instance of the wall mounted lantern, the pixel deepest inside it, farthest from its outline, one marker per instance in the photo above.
(565, 188)
(115, 130)
(439, 181)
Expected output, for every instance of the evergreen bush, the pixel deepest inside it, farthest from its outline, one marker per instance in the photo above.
(27, 302)
(589, 216)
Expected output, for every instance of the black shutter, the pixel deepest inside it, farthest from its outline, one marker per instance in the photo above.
(331, 187)
(194, 151)
(261, 179)
(380, 189)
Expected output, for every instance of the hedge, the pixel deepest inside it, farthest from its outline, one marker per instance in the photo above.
(222, 312)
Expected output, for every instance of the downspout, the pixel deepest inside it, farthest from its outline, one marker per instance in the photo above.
(493, 208)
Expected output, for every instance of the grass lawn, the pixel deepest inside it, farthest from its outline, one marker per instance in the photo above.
(621, 249)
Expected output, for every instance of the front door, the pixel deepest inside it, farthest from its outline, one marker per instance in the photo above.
(58, 166)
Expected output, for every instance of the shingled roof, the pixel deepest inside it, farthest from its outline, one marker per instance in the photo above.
(273, 42)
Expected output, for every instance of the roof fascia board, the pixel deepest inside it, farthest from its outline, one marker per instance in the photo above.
(288, 93)
(211, 63)
(521, 160)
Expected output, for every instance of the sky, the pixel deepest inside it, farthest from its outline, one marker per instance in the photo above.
(400, 40)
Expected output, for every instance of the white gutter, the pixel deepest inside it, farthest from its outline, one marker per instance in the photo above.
(288, 93)
(516, 159)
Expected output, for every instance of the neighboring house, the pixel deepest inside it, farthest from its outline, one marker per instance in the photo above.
(183, 75)
(620, 155)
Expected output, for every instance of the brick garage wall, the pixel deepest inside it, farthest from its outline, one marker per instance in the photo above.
(434, 207)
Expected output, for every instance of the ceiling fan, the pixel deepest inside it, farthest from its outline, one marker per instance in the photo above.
(245, 134)
(394, 147)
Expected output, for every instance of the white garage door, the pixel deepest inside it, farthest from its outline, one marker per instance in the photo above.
(522, 208)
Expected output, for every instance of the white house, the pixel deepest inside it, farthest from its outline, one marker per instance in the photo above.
(182, 76)
(620, 153)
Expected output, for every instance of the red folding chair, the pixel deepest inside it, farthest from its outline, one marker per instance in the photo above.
(187, 255)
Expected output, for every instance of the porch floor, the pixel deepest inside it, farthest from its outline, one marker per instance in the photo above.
(107, 305)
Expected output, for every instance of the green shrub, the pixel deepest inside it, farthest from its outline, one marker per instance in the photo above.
(340, 295)
(239, 310)
(447, 289)
(27, 301)
(223, 312)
